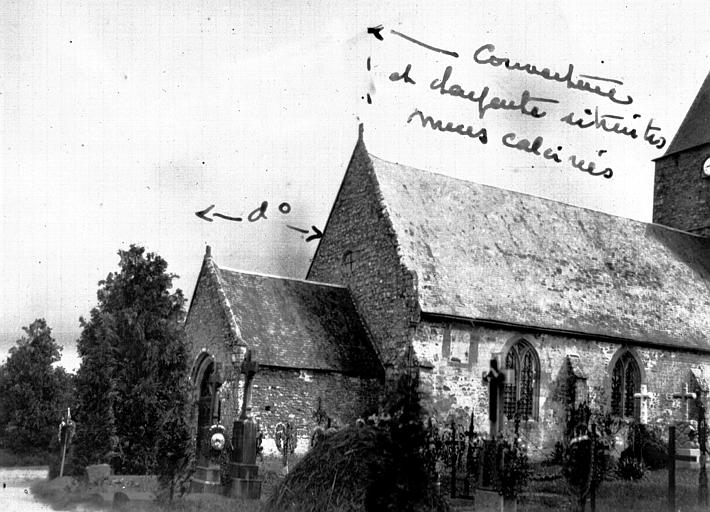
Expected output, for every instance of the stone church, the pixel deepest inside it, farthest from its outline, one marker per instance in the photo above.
(569, 304)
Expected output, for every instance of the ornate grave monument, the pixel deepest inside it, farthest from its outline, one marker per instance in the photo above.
(210, 435)
(243, 469)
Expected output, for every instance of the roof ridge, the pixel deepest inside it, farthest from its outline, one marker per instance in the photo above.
(273, 276)
(544, 199)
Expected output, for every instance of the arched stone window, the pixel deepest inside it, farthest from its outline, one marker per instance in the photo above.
(347, 262)
(522, 394)
(625, 381)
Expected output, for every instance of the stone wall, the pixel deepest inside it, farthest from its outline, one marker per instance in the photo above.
(682, 193)
(454, 355)
(360, 250)
(278, 393)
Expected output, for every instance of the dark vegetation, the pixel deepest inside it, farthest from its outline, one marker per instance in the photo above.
(129, 398)
(34, 394)
(377, 467)
(132, 389)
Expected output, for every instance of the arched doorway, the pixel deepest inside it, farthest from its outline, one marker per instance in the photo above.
(208, 382)
(204, 413)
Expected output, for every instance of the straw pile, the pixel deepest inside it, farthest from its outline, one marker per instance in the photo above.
(354, 469)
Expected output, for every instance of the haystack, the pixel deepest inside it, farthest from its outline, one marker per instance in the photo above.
(353, 470)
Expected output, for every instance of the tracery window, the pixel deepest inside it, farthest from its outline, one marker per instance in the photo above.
(522, 394)
(625, 381)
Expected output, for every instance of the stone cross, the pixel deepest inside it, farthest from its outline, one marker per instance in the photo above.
(249, 369)
(686, 396)
(643, 396)
(494, 377)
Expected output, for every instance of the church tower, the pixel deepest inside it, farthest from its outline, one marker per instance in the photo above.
(682, 184)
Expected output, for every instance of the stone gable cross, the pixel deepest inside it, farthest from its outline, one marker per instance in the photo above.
(643, 396)
(686, 396)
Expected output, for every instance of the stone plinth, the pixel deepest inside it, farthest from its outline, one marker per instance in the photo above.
(206, 479)
(245, 482)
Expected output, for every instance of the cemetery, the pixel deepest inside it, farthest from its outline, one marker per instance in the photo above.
(600, 464)
(453, 346)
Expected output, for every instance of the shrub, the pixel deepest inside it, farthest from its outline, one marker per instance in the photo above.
(629, 468)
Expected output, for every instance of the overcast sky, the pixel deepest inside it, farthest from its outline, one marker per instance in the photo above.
(120, 120)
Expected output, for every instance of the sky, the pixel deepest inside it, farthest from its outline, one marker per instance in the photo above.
(121, 120)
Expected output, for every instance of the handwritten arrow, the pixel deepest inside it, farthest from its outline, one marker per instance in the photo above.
(300, 230)
(203, 213)
(317, 234)
(375, 31)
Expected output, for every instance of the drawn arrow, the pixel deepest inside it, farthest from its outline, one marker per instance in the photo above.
(317, 234)
(203, 213)
(300, 230)
(375, 31)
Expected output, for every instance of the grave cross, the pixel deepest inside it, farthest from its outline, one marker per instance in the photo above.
(495, 378)
(686, 396)
(454, 447)
(470, 448)
(643, 397)
(249, 369)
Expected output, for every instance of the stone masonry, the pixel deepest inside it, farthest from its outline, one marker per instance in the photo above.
(682, 191)
(361, 251)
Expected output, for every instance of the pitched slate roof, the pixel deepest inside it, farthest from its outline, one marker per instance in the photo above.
(695, 128)
(480, 252)
(297, 324)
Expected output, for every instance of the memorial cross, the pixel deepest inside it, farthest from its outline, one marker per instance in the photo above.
(686, 396)
(249, 368)
(643, 397)
(495, 377)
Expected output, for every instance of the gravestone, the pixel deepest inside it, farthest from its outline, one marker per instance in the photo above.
(245, 482)
(97, 474)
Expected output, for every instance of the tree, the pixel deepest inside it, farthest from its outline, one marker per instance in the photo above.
(132, 382)
(33, 393)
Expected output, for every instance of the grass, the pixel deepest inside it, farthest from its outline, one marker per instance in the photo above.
(60, 499)
(9, 459)
(546, 492)
(68, 493)
(649, 493)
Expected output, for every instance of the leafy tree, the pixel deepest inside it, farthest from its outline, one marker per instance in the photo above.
(132, 383)
(174, 457)
(33, 393)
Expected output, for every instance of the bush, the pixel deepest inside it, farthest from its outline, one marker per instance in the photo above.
(628, 468)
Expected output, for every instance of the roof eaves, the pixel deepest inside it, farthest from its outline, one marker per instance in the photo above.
(428, 315)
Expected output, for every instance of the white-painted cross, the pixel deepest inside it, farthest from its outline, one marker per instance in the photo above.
(686, 396)
(643, 396)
